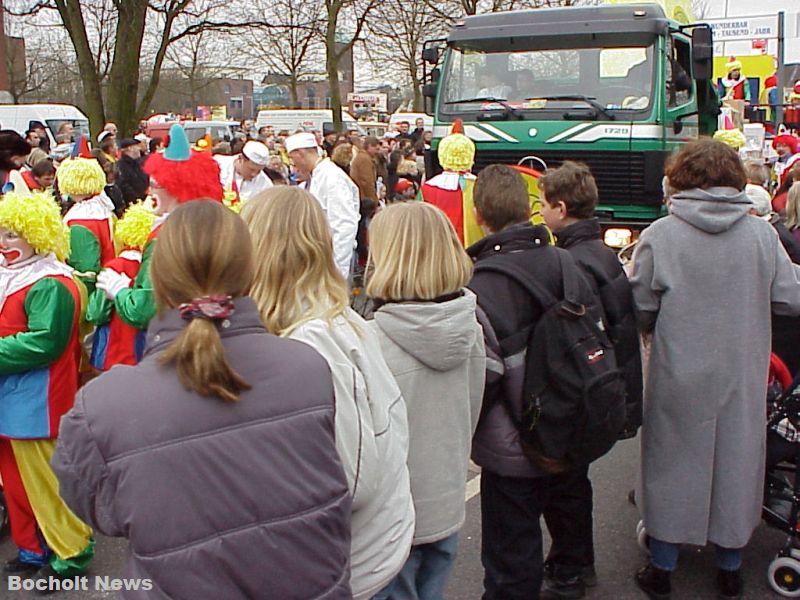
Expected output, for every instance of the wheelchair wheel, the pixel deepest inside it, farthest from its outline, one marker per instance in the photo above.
(784, 576)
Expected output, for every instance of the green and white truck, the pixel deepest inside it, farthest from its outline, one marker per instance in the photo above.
(617, 87)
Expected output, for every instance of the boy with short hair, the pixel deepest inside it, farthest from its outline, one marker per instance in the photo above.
(569, 197)
(514, 491)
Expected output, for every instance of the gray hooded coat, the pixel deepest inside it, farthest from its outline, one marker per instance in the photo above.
(705, 280)
(435, 351)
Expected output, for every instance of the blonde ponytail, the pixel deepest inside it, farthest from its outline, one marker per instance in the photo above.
(203, 250)
(200, 362)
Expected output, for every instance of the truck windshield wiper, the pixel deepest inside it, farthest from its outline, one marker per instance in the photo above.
(590, 100)
(510, 110)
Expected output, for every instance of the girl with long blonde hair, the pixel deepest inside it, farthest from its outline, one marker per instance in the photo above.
(301, 295)
(430, 337)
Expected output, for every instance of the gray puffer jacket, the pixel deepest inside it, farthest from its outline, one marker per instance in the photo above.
(238, 500)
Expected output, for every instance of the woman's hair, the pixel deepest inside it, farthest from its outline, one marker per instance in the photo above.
(296, 279)
(415, 253)
(203, 249)
(342, 155)
(793, 206)
(703, 164)
(12, 144)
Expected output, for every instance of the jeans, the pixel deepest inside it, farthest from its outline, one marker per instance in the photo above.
(511, 537)
(425, 574)
(664, 555)
(568, 516)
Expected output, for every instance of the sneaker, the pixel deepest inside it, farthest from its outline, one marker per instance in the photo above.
(563, 584)
(589, 576)
(729, 584)
(15, 566)
(48, 574)
(654, 582)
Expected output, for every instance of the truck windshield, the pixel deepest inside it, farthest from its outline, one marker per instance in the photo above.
(591, 83)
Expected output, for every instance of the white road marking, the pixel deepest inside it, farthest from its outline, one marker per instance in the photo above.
(473, 488)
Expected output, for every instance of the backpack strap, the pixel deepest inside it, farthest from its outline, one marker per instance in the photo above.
(569, 277)
(522, 276)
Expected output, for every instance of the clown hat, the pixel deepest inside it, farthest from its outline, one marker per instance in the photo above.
(184, 173)
(733, 65)
(133, 229)
(457, 151)
(36, 217)
(81, 174)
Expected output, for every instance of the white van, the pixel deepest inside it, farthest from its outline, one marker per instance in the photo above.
(411, 119)
(19, 116)
(311, 119)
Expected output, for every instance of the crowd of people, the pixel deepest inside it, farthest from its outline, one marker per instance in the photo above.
(185, 369)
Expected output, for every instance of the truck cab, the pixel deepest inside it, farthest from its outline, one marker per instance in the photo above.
(616, 87)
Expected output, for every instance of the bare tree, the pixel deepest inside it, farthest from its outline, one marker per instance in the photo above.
(23, 76)
(455, 9)
(167, 21)
(336, 11)
(291, 44)
(399, 29)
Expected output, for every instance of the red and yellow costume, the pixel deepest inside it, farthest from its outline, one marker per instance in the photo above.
(91, 218)
(115, 341)
(40, 307)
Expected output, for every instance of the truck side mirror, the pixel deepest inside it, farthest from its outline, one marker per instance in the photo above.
(430, 55)
(429, 90)
(702, 52)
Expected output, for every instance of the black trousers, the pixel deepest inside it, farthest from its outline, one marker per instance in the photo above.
(511, 536)
(568, 516)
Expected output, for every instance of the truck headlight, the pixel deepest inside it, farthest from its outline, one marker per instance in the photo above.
(617, 237)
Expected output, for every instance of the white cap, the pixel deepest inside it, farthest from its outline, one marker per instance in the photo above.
(256, 152)
(141, 137)
(103, 135)
(299, 141)
(390, 135)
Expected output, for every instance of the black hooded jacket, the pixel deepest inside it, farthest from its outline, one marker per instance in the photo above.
(604, 274)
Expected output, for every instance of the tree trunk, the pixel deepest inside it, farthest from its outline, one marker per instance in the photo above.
(293, 91)
(332, 65)
(71, 16)
(123, 85)
(416, 84)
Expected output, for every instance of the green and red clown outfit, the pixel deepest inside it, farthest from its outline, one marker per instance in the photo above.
(452, 189)
(40, 307)
(116, 342)
(91, 218)
(186, 175)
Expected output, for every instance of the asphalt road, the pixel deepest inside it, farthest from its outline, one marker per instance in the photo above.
(618, 556)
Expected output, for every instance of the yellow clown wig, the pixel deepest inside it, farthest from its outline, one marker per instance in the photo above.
(133, 229)
(81, 177)
(35, 216)
(733, 65)
(732, 137)
(456, 151)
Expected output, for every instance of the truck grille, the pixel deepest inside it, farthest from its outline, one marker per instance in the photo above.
(622, 177)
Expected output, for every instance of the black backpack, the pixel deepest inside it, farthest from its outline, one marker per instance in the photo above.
(573, 403)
